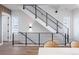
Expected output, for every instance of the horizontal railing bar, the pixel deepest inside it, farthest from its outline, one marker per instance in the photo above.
(29, 4)
(40, 33)
(28, 43)
(37, 32)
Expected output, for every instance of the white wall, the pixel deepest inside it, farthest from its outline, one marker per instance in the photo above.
(0, 29)
(75, 14)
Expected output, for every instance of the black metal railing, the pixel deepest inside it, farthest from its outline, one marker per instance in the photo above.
(48, 19)
(37, 38)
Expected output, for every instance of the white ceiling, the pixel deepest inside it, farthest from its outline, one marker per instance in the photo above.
(56, 6)
(65, 6)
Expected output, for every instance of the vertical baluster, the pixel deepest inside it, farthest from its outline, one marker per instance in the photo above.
(57, 26)
(39, 39)
(67, 35)
(25, 38)
(35, 11)
(23, 6)
(65, 39)
(13, 39)
(52, 37)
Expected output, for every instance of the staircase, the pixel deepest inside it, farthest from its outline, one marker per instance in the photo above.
(38, 20)
(46, 20)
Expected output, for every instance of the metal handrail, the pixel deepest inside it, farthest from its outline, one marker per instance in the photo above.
(39, 37)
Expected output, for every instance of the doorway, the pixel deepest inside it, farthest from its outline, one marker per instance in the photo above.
(5, 27)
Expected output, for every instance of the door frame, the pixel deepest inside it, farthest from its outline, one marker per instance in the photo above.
(10, 30)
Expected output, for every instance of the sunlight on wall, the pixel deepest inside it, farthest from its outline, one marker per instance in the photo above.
(76, 27)
(15, 25)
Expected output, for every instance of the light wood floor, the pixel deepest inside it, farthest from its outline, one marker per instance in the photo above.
(8, 49)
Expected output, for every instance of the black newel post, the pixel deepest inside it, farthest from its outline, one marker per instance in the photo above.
(39, 39)
(25, 38)
(65, 39)
(57, 26)
(35, 12)
(52, 37)
(13, 39)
